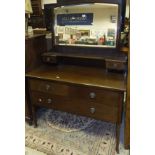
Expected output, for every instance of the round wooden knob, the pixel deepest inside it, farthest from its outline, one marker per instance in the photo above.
(92, 110)
(92, 95)
(49, 100)
(40, 100)
(48, 59)
(47, 87)
(115, 65)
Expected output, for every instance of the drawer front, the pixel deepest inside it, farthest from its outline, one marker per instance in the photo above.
(93, 110)
(49, 87)
(49, 59)
(79, 93)
(116, 65)
(97, 95)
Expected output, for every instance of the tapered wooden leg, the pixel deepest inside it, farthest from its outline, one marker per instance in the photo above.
(34, 116)
(117, 137)
(30, 122)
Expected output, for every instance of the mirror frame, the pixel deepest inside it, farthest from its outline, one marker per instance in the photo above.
(81, 49)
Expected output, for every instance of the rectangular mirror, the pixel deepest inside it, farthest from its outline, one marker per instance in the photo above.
(93, 25)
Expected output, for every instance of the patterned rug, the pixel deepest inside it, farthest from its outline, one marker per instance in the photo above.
(60, 133)
(66, 122)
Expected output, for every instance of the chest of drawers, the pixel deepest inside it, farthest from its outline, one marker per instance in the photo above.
(87, 101)
(91, 93)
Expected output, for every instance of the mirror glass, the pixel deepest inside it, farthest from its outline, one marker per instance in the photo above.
(86, 25)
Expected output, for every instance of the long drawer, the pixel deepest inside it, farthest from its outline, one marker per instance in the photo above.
(49, 87)
(87, 93)
(80, 107)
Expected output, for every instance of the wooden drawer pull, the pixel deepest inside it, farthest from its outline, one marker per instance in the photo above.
(48, 87)
(92, 110)
(92, 95)
(115, 65)
(40, 100)
(49, 100)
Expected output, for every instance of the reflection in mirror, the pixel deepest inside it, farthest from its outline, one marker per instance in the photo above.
(86, 25)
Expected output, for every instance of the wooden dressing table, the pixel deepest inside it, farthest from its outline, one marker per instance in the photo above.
(79, 80)
(79, 90)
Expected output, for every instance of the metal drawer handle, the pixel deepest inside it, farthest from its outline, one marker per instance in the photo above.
(92, 110)
(49, 100)
(92, 95)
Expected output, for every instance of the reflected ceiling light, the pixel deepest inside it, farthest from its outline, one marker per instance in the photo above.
(83, 15)
(79, 5)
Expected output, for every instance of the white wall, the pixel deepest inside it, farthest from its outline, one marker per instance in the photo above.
(127, 8)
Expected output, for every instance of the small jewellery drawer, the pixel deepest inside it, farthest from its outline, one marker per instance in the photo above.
(49, 87)
(49, 59)
(115, 65)
(82, 107)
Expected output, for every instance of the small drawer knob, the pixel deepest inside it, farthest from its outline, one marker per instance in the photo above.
(40, 100)
(92, 95)
(49, 100)
(48, 59)
(47, 87)
(115, 65)
(92, 110)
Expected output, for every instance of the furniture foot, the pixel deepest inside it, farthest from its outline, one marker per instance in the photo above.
(117, 137)
(29, 121)
(34, 116)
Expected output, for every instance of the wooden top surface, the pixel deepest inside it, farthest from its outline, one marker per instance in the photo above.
(80, 75)
(102, 56)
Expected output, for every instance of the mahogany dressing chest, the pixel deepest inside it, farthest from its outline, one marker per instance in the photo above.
(84, 73)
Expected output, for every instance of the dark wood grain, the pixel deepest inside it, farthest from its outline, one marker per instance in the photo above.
(89, 55)
(36, 7)
(80, 106)
(127, 109)
(70, 92)
(28, 112)
(80, 75)
(101, 96)
(77, 73)
(37, 21)
(115, 64)
(117, 137)
(34, 47)
(28, 107)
